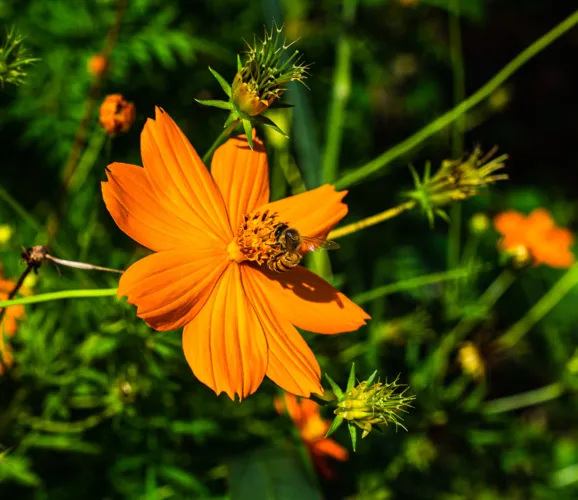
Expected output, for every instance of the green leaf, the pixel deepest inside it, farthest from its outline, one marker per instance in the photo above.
(415, 176)
(280, 105)
(270, 474)
(197, 428)
(239, 63)
(351, 380)
(248, 128)
(371, 378)
(96, 346)
(353, 434)
(63, 442)
(215, 103)
(232, 121)
(334, 425)
(334, 387)
(182, 478)
(263, 120)
(17, 469)
(222, 82)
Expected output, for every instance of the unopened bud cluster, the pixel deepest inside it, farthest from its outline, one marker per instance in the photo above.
(368, 404)
(260, 81)
(456, 180)
(14, 58)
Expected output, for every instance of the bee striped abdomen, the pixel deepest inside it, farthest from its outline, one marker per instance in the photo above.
(284, 261)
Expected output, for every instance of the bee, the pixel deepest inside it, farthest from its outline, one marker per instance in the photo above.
(294, 247)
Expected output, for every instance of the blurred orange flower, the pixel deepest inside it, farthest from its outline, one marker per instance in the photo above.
(97, 64)
(212, 234)
(116, 114)
(537, 234)
(8, 324)
(312, 429)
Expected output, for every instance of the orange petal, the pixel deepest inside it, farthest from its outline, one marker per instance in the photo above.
(554, 249)
(540, 220)
(225, 345)
(309, 302)
(169, 288)
(310, 410)
(313, 213)
(289, 404)
(181, 182)
(292, 365)
(242, 175)
(509, 222)
(130, 199)
(330, 448)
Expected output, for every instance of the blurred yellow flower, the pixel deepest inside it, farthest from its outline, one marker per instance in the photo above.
(471, 361)
(6, 232)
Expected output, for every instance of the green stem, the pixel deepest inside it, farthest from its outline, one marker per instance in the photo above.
(218, 141)
(21, 211)
(459, 88)
(87, 160)
(467, 324)
(524, 399)
(459, 78)
(517, 331)
(340, 95)
(64, 294)
(409, 284)
(446, 119)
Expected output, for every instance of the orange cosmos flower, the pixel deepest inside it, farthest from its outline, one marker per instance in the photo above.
(312, 429)
(8, 324)
(213, 236)
(116, 114)
(536, 234)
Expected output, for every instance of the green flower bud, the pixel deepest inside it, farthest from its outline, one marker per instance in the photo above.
(368, 404)
(13, 59)
(456, 180)
(260, 81)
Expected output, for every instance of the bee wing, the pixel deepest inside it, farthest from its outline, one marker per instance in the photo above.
(310, 244)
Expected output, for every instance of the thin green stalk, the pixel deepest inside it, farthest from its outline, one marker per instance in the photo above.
(446, 119)
(524, 399)
(23, 213)
(299, 443)
(64, 294)
(20, 210)
(458, 129)
(558, 291)
(218, 141)
(87, 160)
(411, 283)
(340, 95)
(467, 324)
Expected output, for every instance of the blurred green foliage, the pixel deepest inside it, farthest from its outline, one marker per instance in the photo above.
(98, 406)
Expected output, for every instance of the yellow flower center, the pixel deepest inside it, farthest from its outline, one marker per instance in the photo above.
(256, 240)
